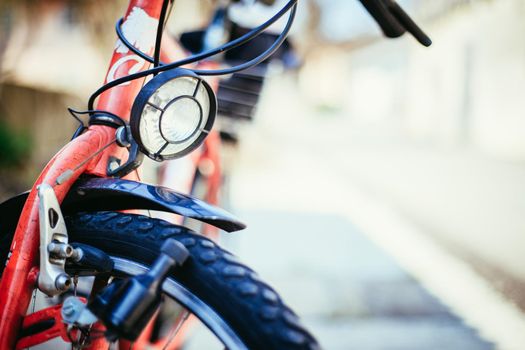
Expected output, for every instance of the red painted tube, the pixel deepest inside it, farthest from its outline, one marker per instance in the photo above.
(16, 287)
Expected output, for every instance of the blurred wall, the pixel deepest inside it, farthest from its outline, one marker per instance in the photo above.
(463, 91)
(53, 54)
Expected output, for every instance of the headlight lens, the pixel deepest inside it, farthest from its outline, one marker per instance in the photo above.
(172, 114)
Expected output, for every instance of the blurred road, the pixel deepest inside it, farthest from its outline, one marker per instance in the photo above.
(317, 190)
(351, 294)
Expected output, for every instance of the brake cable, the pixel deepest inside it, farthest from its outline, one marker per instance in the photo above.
(96, 117)
(290, 6)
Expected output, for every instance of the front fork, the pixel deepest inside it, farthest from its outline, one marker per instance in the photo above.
(17, 282)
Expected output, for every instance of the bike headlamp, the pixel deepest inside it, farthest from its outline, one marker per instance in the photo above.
(172, 114)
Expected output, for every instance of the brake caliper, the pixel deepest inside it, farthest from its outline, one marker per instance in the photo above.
(54, 246)
(126, 306)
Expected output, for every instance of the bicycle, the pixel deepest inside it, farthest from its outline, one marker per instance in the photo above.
(75, 223)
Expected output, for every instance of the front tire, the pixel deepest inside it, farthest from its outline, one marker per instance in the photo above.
(226, 295)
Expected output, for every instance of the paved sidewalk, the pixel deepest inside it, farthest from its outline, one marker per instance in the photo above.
(351, 294)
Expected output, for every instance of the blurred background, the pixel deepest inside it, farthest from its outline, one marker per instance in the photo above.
(383, 183)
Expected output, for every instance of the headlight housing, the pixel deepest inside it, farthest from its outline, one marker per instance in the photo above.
(172, 114)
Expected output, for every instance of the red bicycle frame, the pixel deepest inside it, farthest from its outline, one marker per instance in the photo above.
(20, 274)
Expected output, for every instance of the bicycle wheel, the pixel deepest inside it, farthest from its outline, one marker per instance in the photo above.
(229, 298)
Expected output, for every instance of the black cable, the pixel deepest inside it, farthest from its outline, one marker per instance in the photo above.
(160, 30)
(223, 48)
(292, 4)
(74, 113)
(158, 41)
(130, 46)
(263, 56)
(112, 119)
(210, 72)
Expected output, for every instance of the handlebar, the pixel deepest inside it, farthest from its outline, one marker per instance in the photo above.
(394, 21)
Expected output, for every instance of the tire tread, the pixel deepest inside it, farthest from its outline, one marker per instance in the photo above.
(251, 307)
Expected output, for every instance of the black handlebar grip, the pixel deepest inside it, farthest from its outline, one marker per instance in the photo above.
(409, 24)
(381, 13)
(393, 20)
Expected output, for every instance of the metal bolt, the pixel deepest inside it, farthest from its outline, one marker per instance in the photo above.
(60, 250)
(77, 255)
(68, 309)
(63, 282)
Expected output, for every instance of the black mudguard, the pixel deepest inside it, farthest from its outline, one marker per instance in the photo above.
(10, 211)
(100, 194)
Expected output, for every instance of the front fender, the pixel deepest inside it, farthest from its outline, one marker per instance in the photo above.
(90, 194)
(10, 211)
(100, 194)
